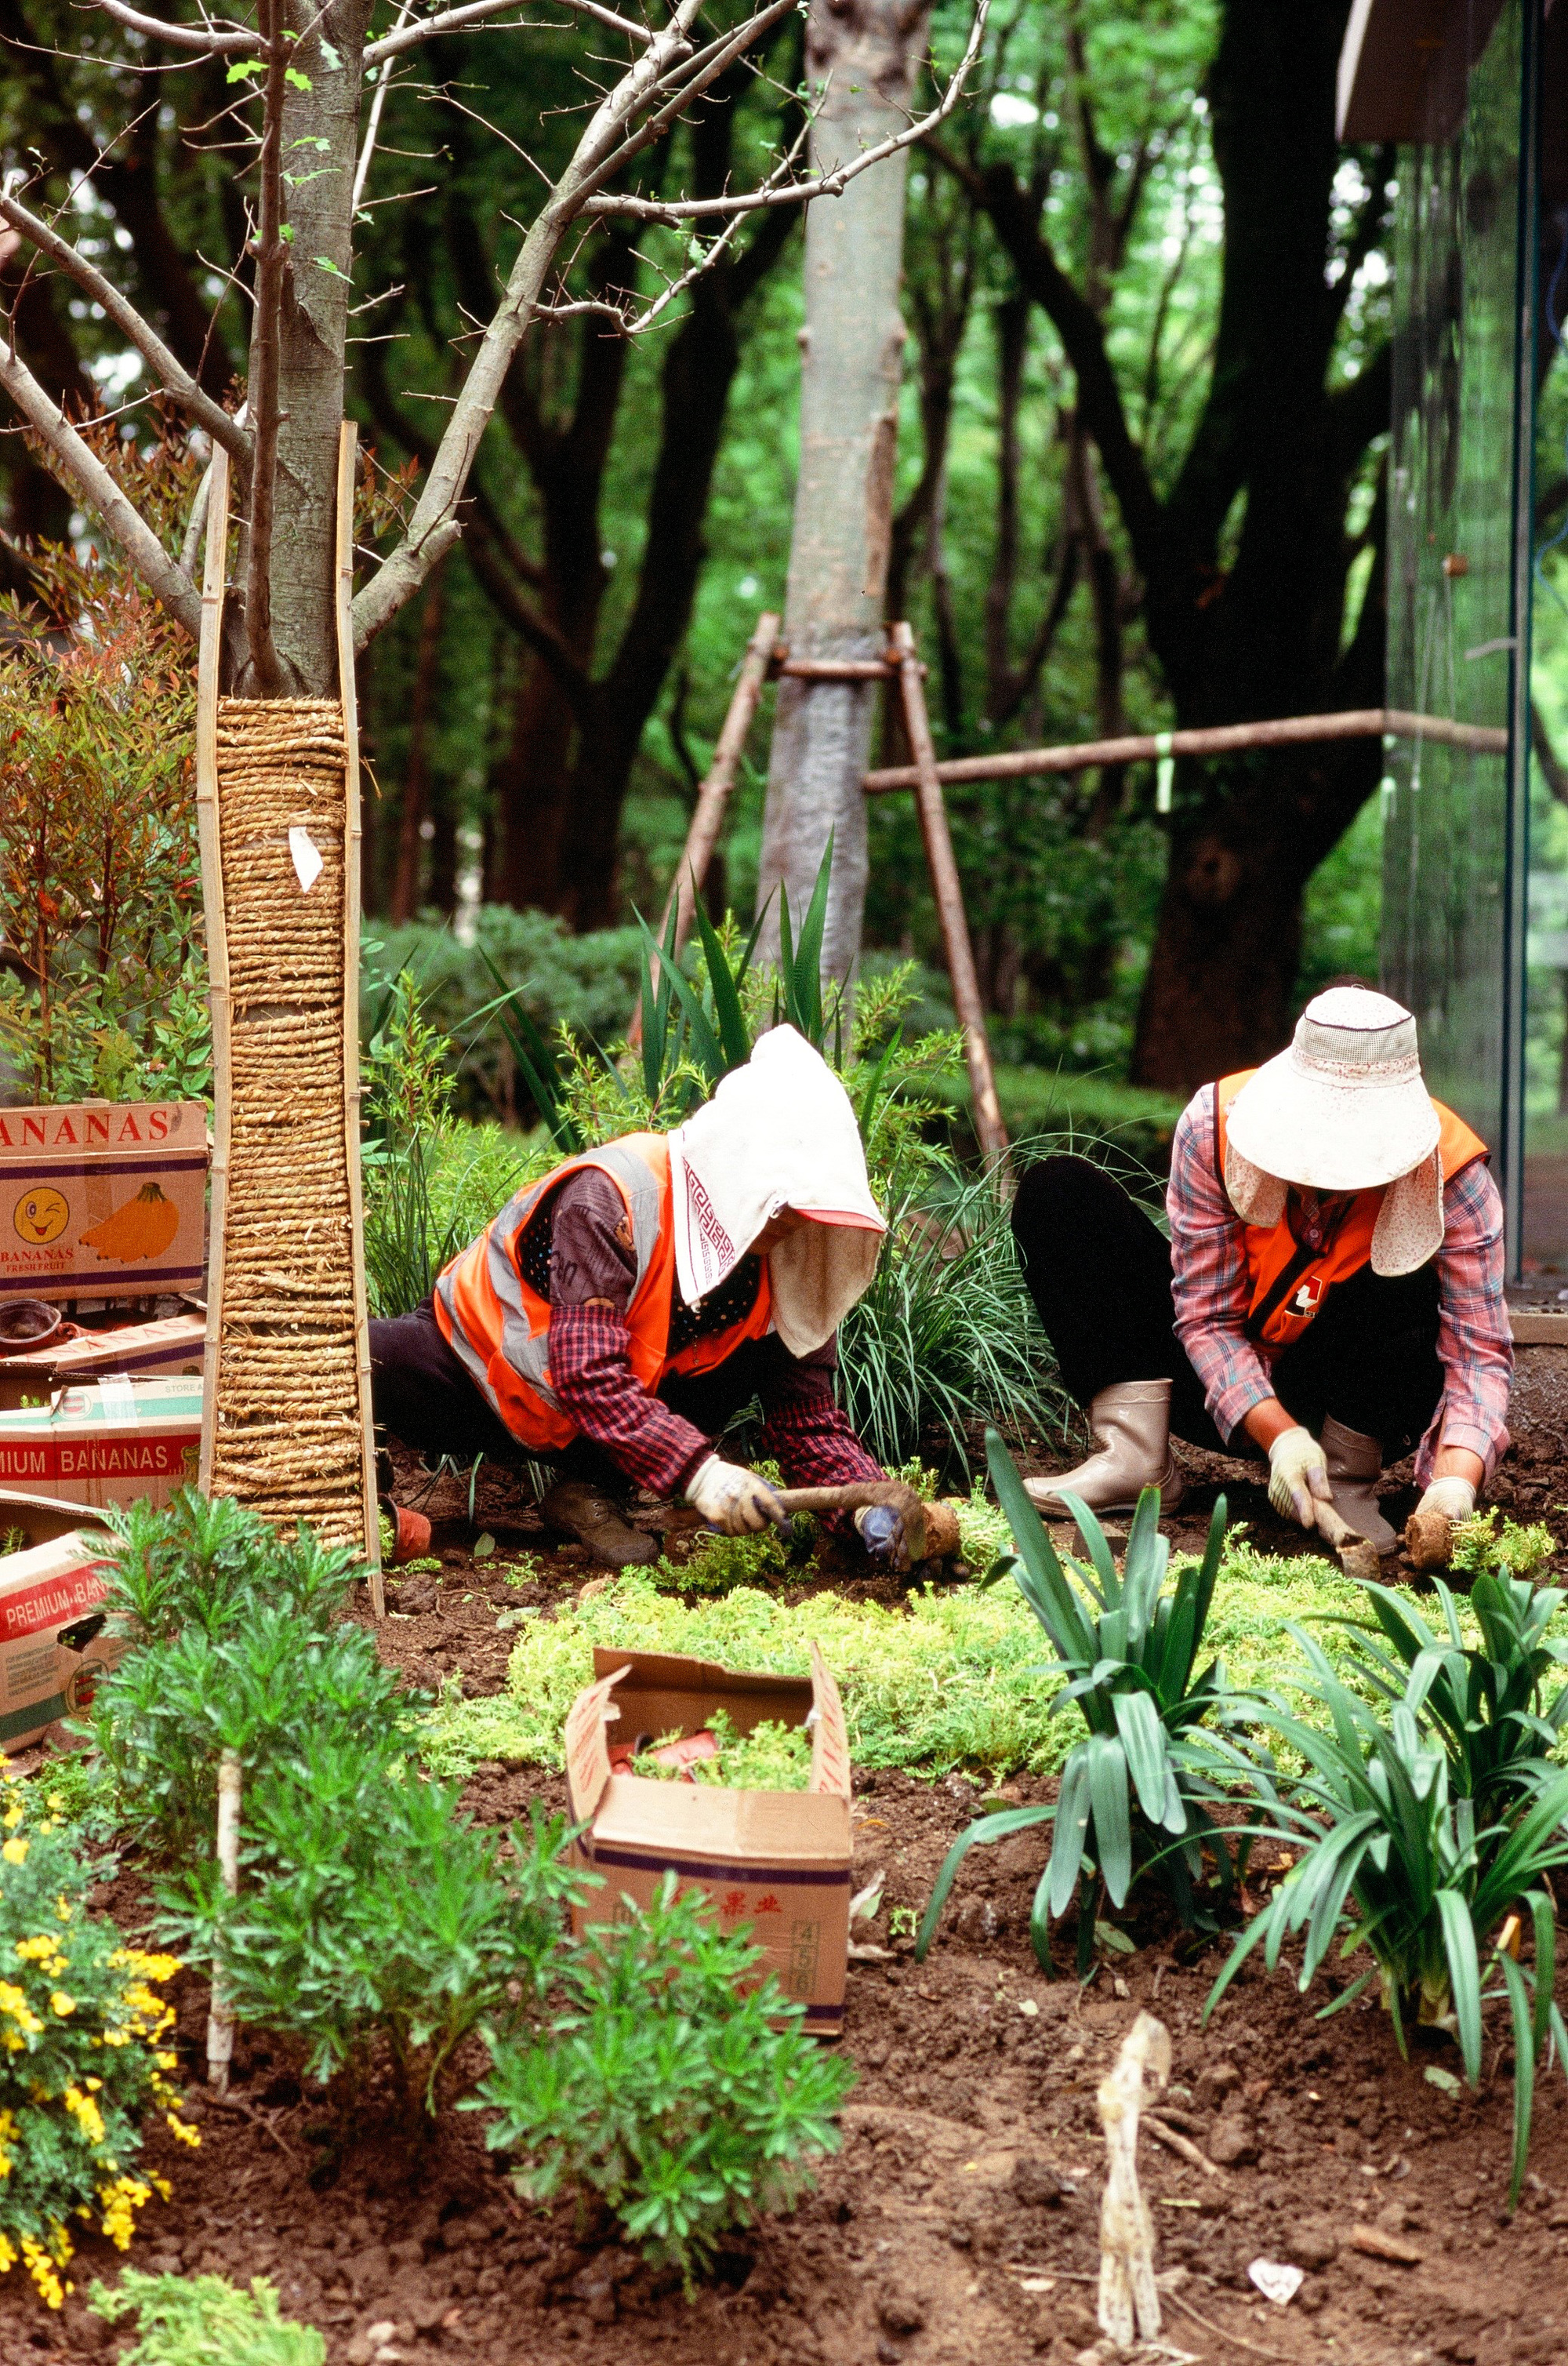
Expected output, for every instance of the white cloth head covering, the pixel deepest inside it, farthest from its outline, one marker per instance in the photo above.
(778, 1133)
(1344, 1109)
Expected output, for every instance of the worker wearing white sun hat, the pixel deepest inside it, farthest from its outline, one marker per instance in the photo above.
(1332, 1293)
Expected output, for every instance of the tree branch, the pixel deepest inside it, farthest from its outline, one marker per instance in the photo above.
(210, 40)
(473, 11)
(204, 412)
(85, 473)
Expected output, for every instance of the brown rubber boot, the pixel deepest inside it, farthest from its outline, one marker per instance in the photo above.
(1355, 1466)
(1132, 1423)
(595, 1521)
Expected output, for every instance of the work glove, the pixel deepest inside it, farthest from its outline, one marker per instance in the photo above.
(735, 1502)
(881, 1530)
(1298, 1476)
(1455, 1498)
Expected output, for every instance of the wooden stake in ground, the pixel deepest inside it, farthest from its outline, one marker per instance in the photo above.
(989, 1129)
(1129, 2304)
(220, 2020)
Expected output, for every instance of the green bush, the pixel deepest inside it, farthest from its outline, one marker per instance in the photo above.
(236, 1646)
(206, 2321)
(1135, 1791)
(82, 2059)
(370, 1909)
(683, 2103)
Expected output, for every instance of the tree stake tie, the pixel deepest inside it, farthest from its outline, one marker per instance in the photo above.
(1129, 2304)
(1165, 772)
(220, 2020)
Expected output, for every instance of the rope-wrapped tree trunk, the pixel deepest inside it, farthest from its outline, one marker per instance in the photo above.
(287, 1417)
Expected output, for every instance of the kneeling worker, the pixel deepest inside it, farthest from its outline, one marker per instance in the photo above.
(1331, 1294)
(616, 1314)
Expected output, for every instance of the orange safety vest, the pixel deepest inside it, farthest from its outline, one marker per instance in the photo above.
(499, 1326)
(1289, 1278)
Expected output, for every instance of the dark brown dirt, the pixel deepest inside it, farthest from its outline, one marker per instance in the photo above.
(958, 2225)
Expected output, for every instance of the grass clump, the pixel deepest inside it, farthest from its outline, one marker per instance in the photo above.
(675, 2097)
(771, 1757)
(206, 2321)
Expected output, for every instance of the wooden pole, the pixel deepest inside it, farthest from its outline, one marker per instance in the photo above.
(348, 442)
(208, 667)
(1220, 740)
(990, 1131)
(714, 794)
(220, 2018)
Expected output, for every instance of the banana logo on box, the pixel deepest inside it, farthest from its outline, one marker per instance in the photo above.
(40, 1215)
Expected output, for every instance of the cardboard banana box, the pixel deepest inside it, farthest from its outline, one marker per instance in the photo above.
(778, 1860)
(161, 1350)
(102, 1200)
(113, 1441)
(53, 1647)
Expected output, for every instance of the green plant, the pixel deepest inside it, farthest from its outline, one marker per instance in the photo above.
(205, 2321)
(83, 2050)
(235, 1646)
(1422, 1874)
(1484, 1699)
(683, 2100)
(370, 1909)
(1135, 1790)
(1519, 1547)
(946, 1338)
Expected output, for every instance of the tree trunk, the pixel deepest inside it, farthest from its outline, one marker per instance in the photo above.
(868, 52)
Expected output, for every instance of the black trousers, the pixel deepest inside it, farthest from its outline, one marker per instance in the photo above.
(420, 1392)
(1099, 1271)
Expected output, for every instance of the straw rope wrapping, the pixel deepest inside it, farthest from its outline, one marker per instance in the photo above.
(287, 1436)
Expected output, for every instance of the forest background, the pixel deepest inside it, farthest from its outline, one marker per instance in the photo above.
(1138, 481)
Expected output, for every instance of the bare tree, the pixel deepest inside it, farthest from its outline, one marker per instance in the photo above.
(311, 84)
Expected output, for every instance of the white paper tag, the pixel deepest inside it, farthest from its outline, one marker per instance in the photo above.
(307, 861)
(1276, 2280)
(118, 1396)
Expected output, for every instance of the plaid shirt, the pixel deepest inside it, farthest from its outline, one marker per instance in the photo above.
(804, 1428)
(1210, 1287)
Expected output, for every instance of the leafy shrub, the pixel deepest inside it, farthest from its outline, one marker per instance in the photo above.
(236, 1648)
(684, 2105)
(368, 1907)
(82, 2059)
(99, 892)
(1134, 1792)
(1422, 1872)
(206, 2321)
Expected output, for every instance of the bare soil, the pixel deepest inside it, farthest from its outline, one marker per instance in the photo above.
(958, 2224)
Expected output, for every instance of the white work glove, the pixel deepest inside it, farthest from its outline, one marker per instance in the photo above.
(1455, 1498)
(1298, 1476)
(735, 1502)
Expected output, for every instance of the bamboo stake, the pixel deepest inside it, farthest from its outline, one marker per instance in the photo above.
(347, 440)
(989, 1127)
(209, 668)
(712, 798)
(1129, 2300)
(1218, 739)
(220, 2020)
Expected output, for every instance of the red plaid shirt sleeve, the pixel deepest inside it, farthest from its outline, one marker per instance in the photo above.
(590, 1371)
(806, 1430)
(1208, 1260)
(1209, 1286)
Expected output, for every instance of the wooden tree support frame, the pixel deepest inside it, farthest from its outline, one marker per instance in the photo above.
(767, 658)
(337, 1271)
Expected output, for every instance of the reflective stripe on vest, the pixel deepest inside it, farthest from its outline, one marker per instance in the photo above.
(499, 1326)
(1289, 1279)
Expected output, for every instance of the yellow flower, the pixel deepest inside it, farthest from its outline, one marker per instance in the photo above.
(7, 2255)
(62, 2003)
(13, 1816)
(56, 1801)
(164, 2062)
(14, 1853)
(34, 1950)
(64, 1908)
(177, 2127)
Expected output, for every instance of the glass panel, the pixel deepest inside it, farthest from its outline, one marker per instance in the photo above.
(1450, 583)
(1545, 1230)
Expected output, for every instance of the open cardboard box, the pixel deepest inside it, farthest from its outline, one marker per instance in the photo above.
(53, 1647)
(160, 1350)
(778, 1859)
(113, 1441)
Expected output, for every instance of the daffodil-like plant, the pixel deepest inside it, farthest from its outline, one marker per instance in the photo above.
(85, 2053)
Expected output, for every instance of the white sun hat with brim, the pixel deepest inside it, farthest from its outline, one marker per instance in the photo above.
(1344, 1109)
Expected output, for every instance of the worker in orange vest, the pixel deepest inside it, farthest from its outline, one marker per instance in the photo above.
(1330, 1295)
(616, 1316)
